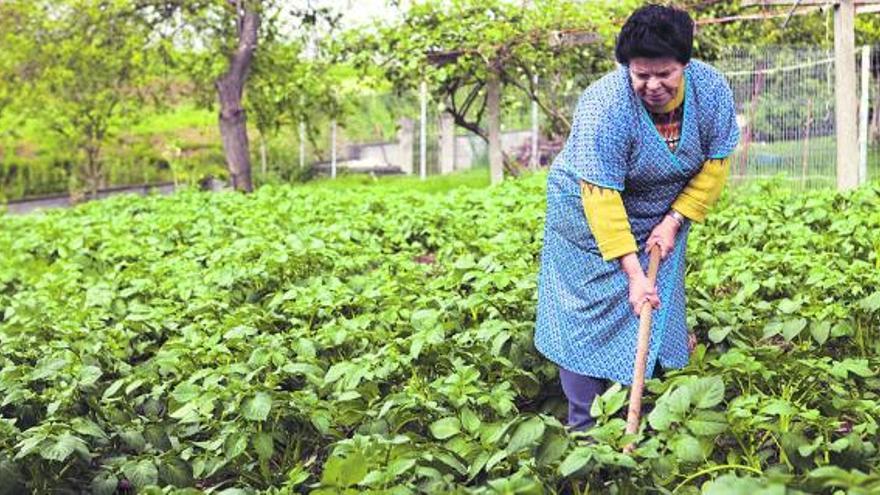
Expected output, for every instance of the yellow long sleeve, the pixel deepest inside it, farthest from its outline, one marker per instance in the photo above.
(703, 190)
(608, 221)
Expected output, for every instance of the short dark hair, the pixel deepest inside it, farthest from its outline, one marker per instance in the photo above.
(656, 31)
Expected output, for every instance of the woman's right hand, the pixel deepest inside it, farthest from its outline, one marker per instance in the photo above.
(640, 290)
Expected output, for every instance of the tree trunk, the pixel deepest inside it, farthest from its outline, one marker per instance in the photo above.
(263, 166)
(493, 104)
(94, 170)
(233, 121)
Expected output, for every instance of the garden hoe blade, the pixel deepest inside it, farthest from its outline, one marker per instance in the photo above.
(638, 384)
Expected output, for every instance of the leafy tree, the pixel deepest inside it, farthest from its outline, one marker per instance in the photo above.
(458, 45)
(83, 66)
(228, 43)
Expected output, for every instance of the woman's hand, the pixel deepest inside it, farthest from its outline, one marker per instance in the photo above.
(663, 235)
(640, 290)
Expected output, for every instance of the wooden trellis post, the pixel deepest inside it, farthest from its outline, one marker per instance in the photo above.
(846, 103)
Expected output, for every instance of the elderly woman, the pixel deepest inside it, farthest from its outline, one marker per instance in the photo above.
(647, 155)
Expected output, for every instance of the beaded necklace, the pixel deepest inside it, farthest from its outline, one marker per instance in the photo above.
(669, 126)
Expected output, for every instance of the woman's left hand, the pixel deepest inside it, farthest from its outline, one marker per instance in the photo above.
(663, 235)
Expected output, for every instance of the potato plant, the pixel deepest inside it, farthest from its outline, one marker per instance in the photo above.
(309, 340)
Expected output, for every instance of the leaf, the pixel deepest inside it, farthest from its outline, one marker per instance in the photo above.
(187, 414)
(348, 396)
(175, 472)
(98, 296)
(235, 445)
(839, 445)
(425, 319)
(470, 421)
(820, 330)
(871, 302)
(576, 460)
(495, 459)
(344, 472)
(707, 392)
(134, 440)
(445, 428)
(133, 386)
(257, 408)
(113, 388)
(661, 418)
(477, 464)
(264, 445)
(686, 448)
(141, 474)
(788, 306)
(792, 328)
(104, 484)
(730, 484)
(337, 371)
(611, 401)
(186, 392)
(400, 466)
(29, 445)
(85, 426)
(858, 367)
(778, 407)
(239, 332)
(718, 334)
(234, 491)
(772, 329)
(679, 400)
(707, 423)
(62, 447)
(552, 449)
(830, 473)
(526, 434)
(88, 375)
(808, 449)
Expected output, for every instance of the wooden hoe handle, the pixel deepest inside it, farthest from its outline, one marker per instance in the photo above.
(638, 384)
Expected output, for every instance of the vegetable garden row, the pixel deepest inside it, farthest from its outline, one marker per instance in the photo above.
(304, 340)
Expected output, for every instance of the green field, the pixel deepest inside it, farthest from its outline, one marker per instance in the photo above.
(366, 337)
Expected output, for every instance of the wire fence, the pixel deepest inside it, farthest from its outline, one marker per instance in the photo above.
(786, 109)
(785, 102)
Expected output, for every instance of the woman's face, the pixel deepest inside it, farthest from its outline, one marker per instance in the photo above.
(656, 80)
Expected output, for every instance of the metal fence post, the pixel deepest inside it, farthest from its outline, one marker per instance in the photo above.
(302, 144)
(333, 149)
(534, 161)
(423, 128)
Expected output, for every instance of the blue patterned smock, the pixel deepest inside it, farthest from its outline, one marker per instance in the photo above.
(585, 323)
